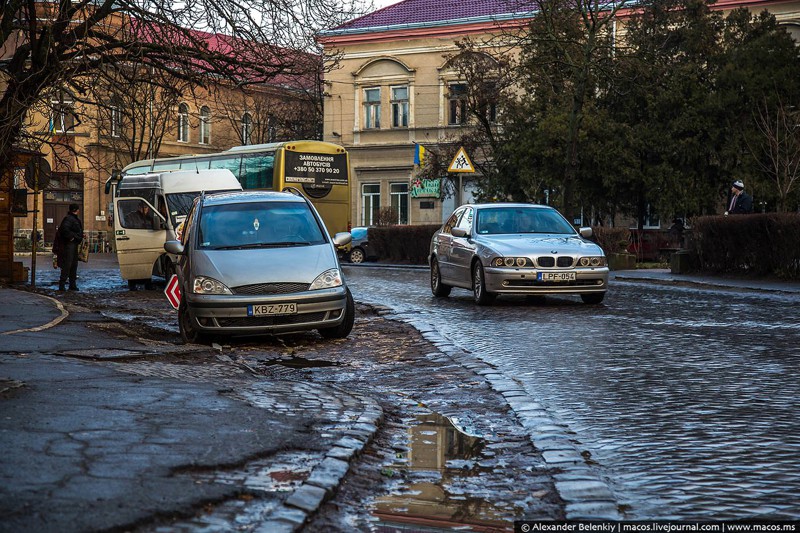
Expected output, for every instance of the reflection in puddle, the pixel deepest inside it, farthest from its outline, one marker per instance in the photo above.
(444, 486)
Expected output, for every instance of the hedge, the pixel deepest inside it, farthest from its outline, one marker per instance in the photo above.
(765, 244)
(611, 239)
(402, 244)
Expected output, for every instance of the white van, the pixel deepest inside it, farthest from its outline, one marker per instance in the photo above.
(148, 208)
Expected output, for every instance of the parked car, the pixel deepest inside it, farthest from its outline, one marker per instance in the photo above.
(360, 250)
(507, 248)
(256, 262)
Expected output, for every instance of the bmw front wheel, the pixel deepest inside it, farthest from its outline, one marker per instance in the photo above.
(479, 292)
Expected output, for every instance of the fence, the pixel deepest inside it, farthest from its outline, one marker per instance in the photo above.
(98, 241)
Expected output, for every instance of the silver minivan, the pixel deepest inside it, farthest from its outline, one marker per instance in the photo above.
(259, 262)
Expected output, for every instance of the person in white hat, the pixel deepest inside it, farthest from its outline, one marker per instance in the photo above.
(740, 203)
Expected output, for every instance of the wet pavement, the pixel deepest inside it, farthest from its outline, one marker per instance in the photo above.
(682, 398)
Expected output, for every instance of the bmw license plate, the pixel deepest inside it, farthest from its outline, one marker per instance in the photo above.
(271, 309)
(556, 276)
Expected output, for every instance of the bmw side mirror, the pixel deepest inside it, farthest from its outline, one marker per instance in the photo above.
(586, 232)
(459, 232)
(174, 247)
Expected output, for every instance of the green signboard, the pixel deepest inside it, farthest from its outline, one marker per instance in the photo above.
(426, 188)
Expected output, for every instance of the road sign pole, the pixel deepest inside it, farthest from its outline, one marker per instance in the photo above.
(35, 233)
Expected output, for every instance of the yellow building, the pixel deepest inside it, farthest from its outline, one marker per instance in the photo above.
(394, 87)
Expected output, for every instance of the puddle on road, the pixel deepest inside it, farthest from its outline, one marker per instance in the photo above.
(297, 362)
(443, 488)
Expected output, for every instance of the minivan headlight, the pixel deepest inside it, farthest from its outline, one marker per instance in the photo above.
(327, 280)
(203, 285)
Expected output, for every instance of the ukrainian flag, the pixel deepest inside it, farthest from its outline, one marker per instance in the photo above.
(419, 154)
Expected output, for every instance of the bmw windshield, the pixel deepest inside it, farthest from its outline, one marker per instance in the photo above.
(512, 220)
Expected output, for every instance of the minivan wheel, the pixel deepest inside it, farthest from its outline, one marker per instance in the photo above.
(593, 297)
(342, 330)
(479, 292)
(437, 287)
(189, 334)
(357, 255)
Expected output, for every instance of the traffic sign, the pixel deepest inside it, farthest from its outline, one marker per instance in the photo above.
(37, 173)
(173, 291)
(461, 162)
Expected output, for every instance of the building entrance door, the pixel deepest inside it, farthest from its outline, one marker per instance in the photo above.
(54, 213)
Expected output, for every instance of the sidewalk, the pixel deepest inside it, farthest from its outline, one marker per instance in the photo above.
(89, 444)
(666, 276)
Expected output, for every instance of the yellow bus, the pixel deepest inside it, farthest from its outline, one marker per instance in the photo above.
(320, 170)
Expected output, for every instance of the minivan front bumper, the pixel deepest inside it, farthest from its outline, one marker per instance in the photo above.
(227, 314)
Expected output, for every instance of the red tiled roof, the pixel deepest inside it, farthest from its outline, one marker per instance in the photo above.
(425, 12)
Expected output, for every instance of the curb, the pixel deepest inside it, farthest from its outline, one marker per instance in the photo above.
(585, 494)
(324, 480)
(63, 314)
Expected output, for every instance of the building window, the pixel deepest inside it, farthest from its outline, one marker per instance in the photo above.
(458, 104)
(399, 107)
(183, 123)
(370, 203)
(116, 119)
(205, 125)
(247, 128)
(372, 108)
(399, 192)
(62, 119)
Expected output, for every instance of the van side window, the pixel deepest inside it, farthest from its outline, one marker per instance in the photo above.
(135, 214)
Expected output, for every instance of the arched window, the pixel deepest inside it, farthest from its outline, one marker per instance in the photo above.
(183, 123)
(247, 128)
(205, 125)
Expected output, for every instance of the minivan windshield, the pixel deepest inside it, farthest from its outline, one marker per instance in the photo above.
(258, 225)
(500, 220)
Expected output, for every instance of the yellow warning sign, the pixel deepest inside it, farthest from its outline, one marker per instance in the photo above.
(461, 162)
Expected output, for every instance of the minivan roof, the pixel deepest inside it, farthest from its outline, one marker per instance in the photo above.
(251, 196)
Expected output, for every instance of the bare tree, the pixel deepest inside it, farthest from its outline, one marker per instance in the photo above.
(50, 46)
(777, 151)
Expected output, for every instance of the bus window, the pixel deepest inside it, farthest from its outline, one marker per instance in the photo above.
(161, 166)
(232, 163)
(257, 171)
(195, 163)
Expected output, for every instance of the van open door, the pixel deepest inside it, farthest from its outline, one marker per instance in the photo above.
(139, 231)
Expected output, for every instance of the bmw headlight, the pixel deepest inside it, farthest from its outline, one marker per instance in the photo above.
(327, 280)
(592, 261)
(203, 285)
(510, 262)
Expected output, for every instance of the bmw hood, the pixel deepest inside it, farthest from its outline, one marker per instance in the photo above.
(234, 268)
(533, 245)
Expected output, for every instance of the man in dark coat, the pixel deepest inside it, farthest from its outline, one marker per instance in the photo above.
(740, 202)
(70, 235)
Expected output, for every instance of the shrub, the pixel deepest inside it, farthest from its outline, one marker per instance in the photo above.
(759, 244)
(611, 240)
(402, 244)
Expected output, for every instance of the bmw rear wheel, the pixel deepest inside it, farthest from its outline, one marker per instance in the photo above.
(479, 292)
(437, 287)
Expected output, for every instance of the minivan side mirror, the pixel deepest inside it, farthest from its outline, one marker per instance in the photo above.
(586, 232)
(342, 238)
(174, 247)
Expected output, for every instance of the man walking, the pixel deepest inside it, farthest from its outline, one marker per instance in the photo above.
(70, 235)
(740, 203)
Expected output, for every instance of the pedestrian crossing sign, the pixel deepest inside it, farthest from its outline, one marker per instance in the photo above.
(461, 162)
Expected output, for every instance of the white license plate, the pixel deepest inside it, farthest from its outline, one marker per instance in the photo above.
(271, 309)
(556, 276)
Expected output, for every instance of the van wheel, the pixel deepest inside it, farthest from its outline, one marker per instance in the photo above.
(189, 333)
(342, 330)
(132, 285)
